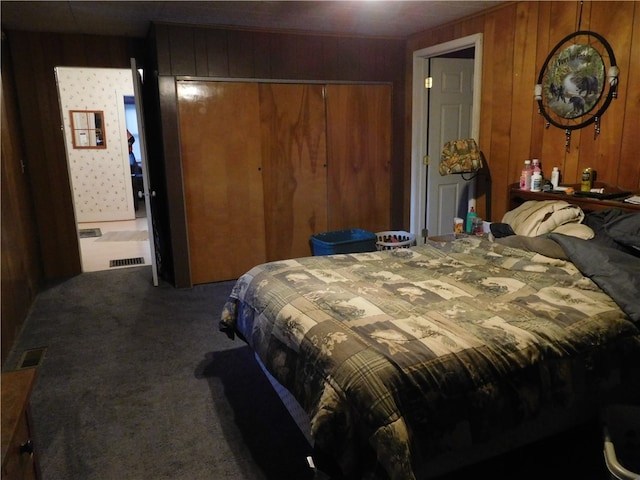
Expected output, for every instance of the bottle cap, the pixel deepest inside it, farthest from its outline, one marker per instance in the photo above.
(526, 162)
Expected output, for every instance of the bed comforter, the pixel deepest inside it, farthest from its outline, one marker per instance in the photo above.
(400, 356)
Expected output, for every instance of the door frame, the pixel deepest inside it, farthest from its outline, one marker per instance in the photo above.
(119, 94)
(420, 119)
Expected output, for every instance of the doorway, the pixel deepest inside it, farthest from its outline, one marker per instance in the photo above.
(428, 209)
(112, 234)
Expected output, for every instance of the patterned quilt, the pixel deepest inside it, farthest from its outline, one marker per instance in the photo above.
(402, 355)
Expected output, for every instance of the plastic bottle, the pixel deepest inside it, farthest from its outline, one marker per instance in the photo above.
(469, 225)
(555, 177)
(535, 166)
(536, 182)
(525, 176)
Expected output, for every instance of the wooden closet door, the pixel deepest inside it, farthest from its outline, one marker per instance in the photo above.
(359, 156)
(292, 119)
(221, 161)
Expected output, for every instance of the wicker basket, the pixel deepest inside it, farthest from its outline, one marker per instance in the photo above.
(394, 239)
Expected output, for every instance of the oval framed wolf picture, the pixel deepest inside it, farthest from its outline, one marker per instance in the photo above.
(574, 81)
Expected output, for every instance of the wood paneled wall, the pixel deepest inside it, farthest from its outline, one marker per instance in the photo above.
(21, 260)
(34, 56)
(244, 54)
(518, 37)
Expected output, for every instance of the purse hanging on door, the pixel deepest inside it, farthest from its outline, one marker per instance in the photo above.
(460, 156)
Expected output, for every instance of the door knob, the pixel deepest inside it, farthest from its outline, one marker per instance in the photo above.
(27, 447)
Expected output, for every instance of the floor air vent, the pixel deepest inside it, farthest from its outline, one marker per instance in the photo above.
(31, 358)
(126, 262)
(90, 232)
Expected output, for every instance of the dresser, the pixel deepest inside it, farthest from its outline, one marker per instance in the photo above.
(18, 457)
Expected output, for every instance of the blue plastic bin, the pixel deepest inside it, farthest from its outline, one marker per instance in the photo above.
(343, 241)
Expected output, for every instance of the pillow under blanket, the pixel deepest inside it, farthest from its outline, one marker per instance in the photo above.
(542, 245)
(616, 228)
(615, 272)
(535, 218)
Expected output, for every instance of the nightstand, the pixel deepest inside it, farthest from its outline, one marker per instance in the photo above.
(18, 456)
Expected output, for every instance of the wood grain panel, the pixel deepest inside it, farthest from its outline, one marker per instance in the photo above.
(263, 51)
(357, 58)
(562, 21)
(359, 152)
(538, 125)
(182, 51)
(201, 52)
(220, 141)
(292, 119)
(216, 51)
(524, 68)
(486, 117)
(162, 49)
(308, 57)
(606, 145)
(21, 260)
(502, 126)
(47, 162)
(241, 53)
(629, 166)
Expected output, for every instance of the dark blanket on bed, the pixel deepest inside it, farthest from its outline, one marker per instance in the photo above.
(402, 355)
(615, 272)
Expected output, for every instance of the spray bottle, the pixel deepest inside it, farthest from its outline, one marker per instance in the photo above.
(469, 225)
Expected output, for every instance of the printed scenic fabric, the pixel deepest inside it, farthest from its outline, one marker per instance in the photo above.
(401, 355)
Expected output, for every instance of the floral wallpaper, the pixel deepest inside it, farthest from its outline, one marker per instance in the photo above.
(100, 178)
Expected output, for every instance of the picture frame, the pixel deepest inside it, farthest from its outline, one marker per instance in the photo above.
(575, 85)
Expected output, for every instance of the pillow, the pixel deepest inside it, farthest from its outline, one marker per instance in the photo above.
(575, 230)
(534, 218)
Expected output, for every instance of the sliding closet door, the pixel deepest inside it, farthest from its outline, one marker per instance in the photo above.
(292, 119)
(359, 156)
(221, 161)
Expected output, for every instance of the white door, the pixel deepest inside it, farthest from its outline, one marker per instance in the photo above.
(148, 193)
(450, 111)
(423, 148)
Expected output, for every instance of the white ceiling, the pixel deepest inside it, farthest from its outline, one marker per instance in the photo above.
(392, 18)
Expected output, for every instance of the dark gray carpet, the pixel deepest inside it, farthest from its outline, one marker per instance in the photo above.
(138, 383)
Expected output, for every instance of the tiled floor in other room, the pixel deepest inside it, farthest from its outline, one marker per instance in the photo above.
(97, 254)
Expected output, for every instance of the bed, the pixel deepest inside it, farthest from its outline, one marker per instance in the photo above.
(412, 362)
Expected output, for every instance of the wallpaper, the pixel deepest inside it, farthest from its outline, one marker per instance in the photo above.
(100, 178)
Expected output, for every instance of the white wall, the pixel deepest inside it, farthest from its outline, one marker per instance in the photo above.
(100, 178)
